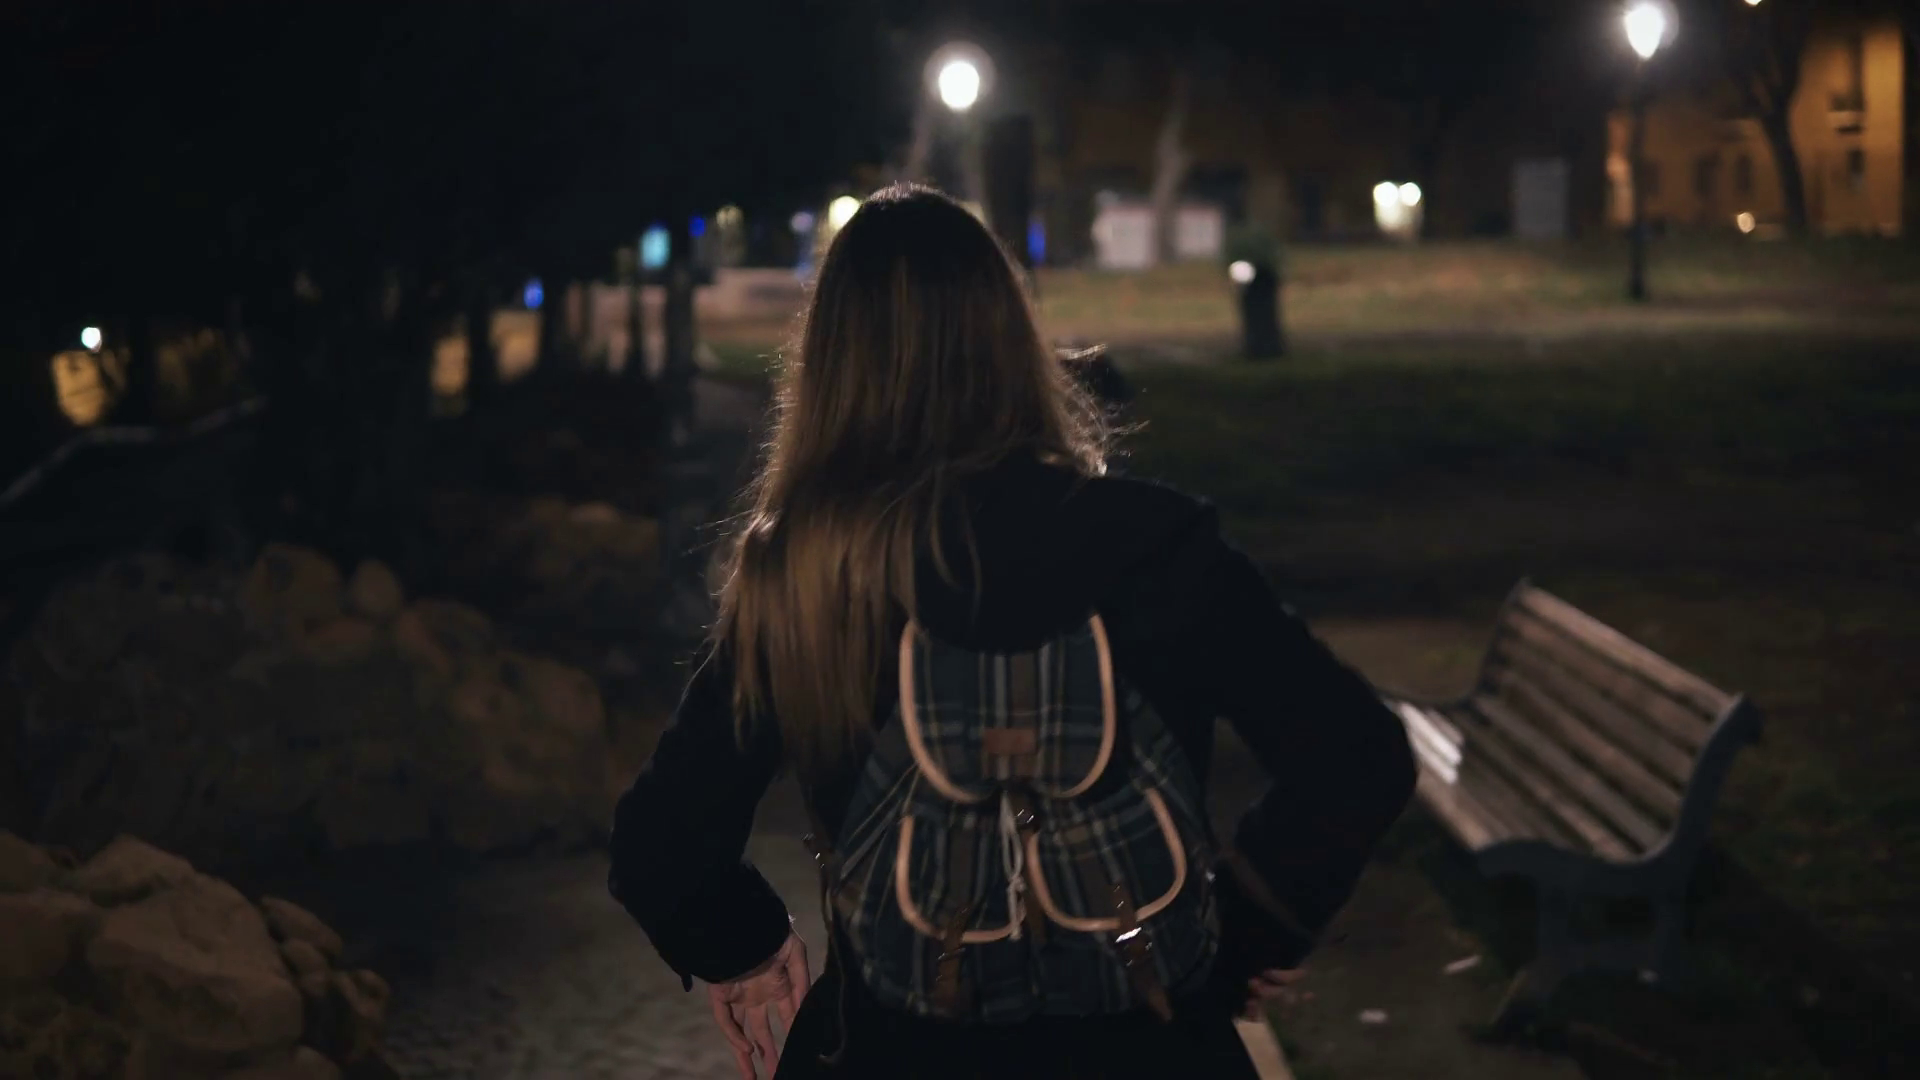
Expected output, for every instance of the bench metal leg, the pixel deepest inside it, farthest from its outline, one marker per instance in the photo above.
(1669, 945)
(1553, 961)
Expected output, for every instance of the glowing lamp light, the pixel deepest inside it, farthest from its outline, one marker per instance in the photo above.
(959, 84)
(1241, 271)
(90, 338)
(654, 247)
(1386, 193)
(697, 227)
(802, 222)
(1753, 3)
(841, 210)
(1646, 24)
(1745, 221)
(533, 295)
(1409, 194)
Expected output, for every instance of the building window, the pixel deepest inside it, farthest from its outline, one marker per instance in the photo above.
(1743, 175)
(1857, 169)
(1706, 176)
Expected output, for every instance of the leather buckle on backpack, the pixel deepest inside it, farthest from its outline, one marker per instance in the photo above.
(1136, 955)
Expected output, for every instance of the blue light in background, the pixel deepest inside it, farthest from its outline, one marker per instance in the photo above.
(533, 295)
(1036, 241)
(697, 227)
(654, 246)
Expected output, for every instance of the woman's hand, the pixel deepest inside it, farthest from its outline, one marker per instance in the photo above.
(742, 1006)
(1274, 985)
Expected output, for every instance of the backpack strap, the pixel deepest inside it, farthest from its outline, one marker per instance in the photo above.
(827, 862)
(1134, 953)
(948, 996)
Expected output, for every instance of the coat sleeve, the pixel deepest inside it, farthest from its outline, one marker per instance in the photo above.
(1340, 764)
(680, 834)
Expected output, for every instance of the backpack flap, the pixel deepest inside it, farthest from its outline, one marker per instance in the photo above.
(979, 723)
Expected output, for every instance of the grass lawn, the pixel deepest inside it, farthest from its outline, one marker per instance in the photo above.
(1744, 506)
(1504, 288)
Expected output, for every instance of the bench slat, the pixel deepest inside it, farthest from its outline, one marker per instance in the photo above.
(1683, 685)
(1621, 760)
(1578, 828)
(1579, 789)
(1488, 780)
(1467, 822)
(1522, 633)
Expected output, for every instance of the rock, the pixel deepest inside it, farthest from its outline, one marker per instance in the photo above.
(485, 707)
(442, 636)
(291, 922)
(594, 513)
(374, 591)
(557, 696)
(303, 1063)
(195, 966)
(40, 933)
(373, 987)
(44, 1035)
(128, 869)
(303, 958)
(22, 865)
(289, 591)
(340, 641)
(361, 1016)
(321, 1026)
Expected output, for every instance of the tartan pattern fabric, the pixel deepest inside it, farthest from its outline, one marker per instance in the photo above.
(1052, 692)
(956, 863)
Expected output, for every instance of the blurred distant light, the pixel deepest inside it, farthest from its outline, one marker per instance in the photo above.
(697, 227)
(1037, 241)
(959, 84)
(1386, 193)
(1646, 24)
(533, 295)
(1753, 3)
(1744, 219)
(654, 247)
(91, 338)
(1241, 272)
(729, 217)
(802, 222)
(840, 211)
(1409, 194)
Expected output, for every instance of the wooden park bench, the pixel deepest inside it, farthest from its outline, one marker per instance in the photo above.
(1588, 764)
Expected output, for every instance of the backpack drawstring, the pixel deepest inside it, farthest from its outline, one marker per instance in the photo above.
(1013, 859)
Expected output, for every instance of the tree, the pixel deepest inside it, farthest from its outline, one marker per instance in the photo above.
(1171, 161)
(1760, 47)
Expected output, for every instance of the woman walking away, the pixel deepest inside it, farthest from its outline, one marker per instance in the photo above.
(995, 671)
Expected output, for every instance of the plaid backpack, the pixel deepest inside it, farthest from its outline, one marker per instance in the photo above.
(1026, 838)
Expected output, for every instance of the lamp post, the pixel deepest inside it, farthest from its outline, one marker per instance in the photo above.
(1648, 27)
(958, 76)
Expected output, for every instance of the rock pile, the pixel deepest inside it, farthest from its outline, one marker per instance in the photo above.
(588, 563)
(134, 965)
(298, 705)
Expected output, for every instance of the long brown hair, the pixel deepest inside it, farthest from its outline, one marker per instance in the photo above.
(918, 364)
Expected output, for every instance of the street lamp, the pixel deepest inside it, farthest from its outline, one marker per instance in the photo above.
(959, 75)
(1648, 26)
(958, 84)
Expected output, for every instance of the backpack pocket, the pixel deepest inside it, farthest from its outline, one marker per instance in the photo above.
(1127, 876)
